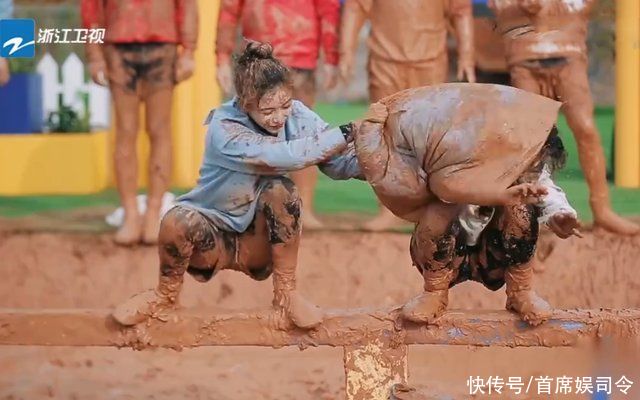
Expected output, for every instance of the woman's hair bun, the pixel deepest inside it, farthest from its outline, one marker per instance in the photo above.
(258, 50)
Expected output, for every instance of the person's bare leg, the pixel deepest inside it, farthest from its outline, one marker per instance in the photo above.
(433, 251)
(126, 164)
(158, 124)
(306, 181)
(280, 204)
(304, 89)
(578, 108)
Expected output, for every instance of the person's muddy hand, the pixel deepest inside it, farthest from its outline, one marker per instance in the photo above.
(4, 71)
(185, 65)
(329, 76)
(564, 225)
(466, 70)
(225, 77)
(98, 71)
(524, 193)
(346, 68)
(531, 6)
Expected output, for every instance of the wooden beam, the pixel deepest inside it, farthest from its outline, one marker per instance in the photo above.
(192, 328)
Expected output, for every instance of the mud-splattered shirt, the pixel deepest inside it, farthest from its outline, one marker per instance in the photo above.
(238, 154)
(558, 28)
(404, 31)
(296, 29)
(143, 21)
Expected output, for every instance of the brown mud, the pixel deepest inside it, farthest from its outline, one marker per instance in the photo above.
(336, 270)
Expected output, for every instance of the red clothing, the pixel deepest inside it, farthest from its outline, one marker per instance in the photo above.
(295, 28)
(143, 21)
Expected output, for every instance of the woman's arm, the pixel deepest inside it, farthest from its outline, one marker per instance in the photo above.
(243, 150)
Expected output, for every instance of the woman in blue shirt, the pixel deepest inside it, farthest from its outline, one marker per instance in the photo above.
(244, 213)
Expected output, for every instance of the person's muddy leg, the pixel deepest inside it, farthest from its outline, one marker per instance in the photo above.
(518, 227)
(182, 233)
(304, 89)
(158, 123)
(524, 78)
(433, 251)
(126, 104)
(280, 204)
(578, 108)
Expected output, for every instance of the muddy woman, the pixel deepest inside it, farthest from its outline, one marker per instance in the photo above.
(470, 165)
(244, 213)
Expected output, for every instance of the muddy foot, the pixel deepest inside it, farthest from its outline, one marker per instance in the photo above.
(139, 307)
(426, 307)
(531, 307)
(612, 222)
(303, 313)
(130, 233)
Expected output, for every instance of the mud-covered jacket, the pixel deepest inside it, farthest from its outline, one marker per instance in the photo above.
(239, 155)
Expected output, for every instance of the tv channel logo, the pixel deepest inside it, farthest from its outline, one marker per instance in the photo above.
(17, 38)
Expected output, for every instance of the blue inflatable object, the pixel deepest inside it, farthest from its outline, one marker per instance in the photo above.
(21, 104)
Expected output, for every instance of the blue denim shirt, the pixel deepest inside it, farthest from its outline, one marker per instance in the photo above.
(239, 155)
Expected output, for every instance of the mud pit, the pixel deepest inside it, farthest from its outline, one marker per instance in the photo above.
(337, 270)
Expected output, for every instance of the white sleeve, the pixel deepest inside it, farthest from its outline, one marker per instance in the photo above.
(555, 201)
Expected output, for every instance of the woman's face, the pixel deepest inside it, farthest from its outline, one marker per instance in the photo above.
(272, 110)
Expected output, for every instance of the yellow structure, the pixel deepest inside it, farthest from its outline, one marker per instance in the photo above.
(82, 163)
(53, 164)
(627, 149)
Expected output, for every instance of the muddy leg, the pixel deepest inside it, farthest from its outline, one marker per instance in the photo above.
(519, 233)
(126, 164)
(578, 108)
(158, 121)
(433, 251)
(304, 89)
(280, 204)
(182, 232)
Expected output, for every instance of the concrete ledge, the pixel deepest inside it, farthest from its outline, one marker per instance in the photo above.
(193, 328)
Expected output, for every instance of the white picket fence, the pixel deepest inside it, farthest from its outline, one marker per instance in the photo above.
(72, 86)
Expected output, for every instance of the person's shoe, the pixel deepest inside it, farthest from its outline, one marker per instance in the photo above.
(140, 307)
(608, 220)
(522, 299)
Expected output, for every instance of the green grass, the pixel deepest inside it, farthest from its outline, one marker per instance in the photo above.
(357, 196)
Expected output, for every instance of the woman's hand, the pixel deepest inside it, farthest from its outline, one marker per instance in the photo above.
(185, 65)
(98, 71)
(564, 225)
(225, 77)
(524, 193)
